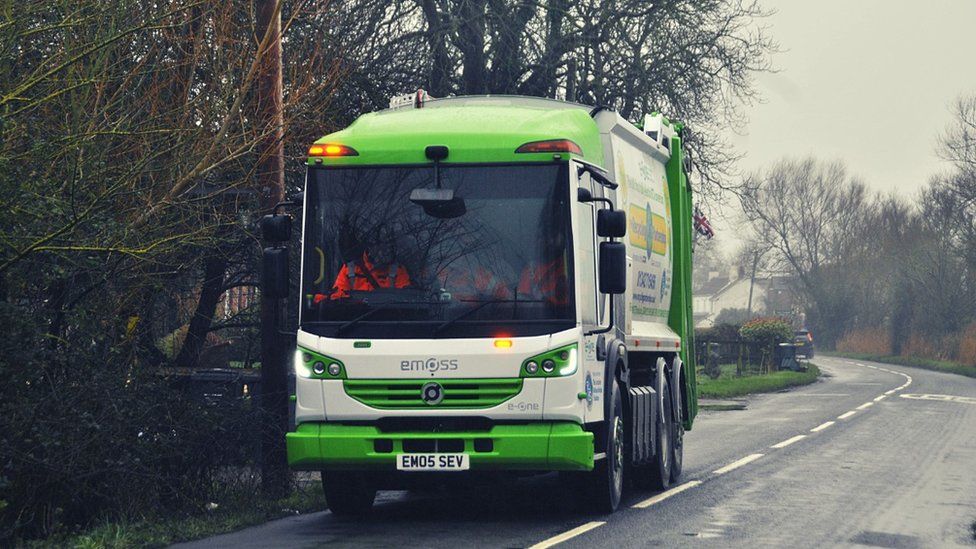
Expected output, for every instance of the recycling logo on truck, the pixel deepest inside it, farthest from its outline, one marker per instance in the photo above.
(648, 231)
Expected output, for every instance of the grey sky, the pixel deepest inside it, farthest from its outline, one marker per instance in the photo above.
(868, 82)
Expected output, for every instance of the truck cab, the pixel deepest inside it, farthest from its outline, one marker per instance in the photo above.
(491, 285)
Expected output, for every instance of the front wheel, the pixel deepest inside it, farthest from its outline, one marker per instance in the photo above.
(607, 478)
(348, 493)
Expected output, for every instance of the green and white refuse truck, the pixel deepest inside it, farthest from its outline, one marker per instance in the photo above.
(493, 285)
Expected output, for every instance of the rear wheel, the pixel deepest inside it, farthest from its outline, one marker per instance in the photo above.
(348, 493)
(607, 478)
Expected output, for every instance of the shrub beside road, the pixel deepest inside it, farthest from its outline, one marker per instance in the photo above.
(227, 516)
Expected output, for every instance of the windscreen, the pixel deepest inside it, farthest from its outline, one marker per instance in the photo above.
(495, 259)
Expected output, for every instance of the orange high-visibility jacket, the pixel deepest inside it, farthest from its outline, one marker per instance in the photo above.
(392, 276)
(545, 281)
(479, 283)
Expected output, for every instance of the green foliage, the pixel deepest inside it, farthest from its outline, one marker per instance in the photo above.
(767, 331)
(718, 332)
(728, 385)
(232, 513)
(86, 434)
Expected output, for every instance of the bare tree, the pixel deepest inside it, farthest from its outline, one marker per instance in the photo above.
(817, 218)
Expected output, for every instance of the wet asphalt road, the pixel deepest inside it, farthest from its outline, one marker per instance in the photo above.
(899, 472)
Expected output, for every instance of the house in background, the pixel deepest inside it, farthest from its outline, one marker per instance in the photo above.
(766, 295)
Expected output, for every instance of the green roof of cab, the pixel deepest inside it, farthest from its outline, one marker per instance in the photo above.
(475, 129)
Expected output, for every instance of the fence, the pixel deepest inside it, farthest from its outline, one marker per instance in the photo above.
(749, 357)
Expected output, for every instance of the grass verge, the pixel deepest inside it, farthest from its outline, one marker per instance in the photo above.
(728, 385)
(915, 362)
(161, 532)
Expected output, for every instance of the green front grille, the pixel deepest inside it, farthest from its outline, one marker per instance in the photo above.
(458, 393)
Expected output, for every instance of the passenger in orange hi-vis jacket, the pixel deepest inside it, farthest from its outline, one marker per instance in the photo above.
(377, 268)
(477, 283)
(545, 281)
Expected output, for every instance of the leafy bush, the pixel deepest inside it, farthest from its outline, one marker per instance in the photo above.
(718, 332)
(767, 333)
(770, 331)
(89, 435)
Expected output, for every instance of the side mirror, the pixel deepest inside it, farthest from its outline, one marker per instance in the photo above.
(584, 195)
(276, 228)
(613, 268)
(274, 273)
(611, 223)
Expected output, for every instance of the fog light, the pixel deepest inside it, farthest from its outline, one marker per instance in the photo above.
(548, 366)
(532, 367)
(306, 357)
(318, 368)
(334, 369)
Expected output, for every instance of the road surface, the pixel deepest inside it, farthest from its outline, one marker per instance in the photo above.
(873, 455)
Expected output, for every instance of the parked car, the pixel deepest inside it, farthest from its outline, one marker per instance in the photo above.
(804, 343)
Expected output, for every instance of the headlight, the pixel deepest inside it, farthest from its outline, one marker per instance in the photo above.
(557, 362)
(309, 364)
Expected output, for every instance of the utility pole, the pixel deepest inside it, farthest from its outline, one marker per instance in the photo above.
(752, 277)
(270, 179)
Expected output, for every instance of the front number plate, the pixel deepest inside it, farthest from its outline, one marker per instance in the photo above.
(432, 462)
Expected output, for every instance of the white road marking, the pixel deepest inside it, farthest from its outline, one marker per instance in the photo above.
(942, 398)
(890, 392)
(788, 441)
(880, 398)
(666, 494)
(865, 405)
(736, 464)
(846, 415)
(821, 427)
(555, 540)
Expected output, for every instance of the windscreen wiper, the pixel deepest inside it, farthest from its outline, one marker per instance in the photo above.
(480, 305)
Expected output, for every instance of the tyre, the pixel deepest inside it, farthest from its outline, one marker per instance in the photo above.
(656, 475)
(607, 478)
(348, 493)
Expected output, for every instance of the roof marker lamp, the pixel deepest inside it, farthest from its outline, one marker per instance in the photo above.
(550, 146)
(331, 150)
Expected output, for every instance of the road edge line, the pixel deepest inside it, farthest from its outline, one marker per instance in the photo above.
(666, 494)
(568, 535)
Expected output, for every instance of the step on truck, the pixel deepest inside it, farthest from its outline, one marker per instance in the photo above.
(492, 285)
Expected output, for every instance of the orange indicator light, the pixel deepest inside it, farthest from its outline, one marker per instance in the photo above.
(331, 149)
(503, 343)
